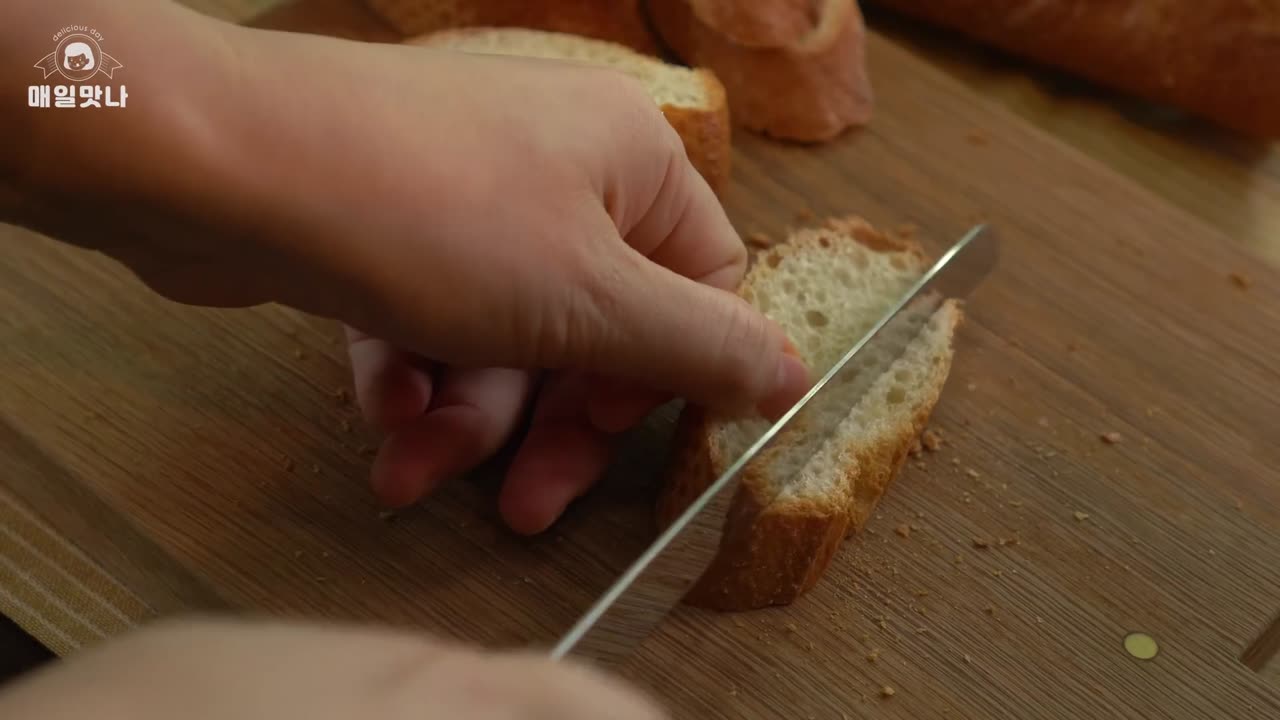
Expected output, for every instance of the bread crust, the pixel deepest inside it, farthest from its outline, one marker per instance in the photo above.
(776, 549)
(705, 133)
(810, 90)
(1219, 59)
(620, 21)
(773, 23)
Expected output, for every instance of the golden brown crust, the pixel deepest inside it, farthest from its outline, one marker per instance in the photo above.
(1213, 58)
(620, 21)
(707, 136)
(774, 550)
(809, 91)
(767, 23)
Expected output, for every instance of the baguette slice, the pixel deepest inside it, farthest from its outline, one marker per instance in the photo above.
(620, 21)
(692, 100)
(809, 490)
(810, 90)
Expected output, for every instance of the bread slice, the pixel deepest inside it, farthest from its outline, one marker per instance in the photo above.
(801, 497)
(693, 100)
(810, 89)
(620, 21)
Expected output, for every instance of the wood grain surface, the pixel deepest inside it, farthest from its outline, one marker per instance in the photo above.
(213, 459)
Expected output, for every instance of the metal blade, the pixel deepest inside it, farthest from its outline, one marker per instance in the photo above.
(639, 600)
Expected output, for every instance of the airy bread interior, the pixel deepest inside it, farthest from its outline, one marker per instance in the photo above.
(669, 84)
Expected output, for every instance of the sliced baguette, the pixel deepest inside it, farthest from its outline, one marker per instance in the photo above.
(810, 89)
(806, 493)
(692, 100)
(620, 21)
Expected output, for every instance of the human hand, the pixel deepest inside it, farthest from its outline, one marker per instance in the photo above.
(238, 670)
(507, 236)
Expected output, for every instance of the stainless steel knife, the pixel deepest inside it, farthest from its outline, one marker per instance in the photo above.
(639, 600)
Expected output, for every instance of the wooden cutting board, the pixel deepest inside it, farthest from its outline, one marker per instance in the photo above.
(212, 460)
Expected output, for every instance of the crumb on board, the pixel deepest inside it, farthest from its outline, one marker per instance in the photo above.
(790, 627)
(298, 354)
(1239, 504)
(997, 573)
(972, 473)
(1112, 438)
(1042, 421)
(1240, 280)
(1072, 346)
(345, 424)
(955, 461)
(755, 238)
(981, 543)
(387, 516)
(978, 137)
(288, 463)
(315, 469)
(341, 395)
(903, 529)
(805, 215)
(1009, 541)
(1080, 515)
(932, 440)
(887, 692)
(916, 447)
(990, 609)
(907, 230)
(967, 658)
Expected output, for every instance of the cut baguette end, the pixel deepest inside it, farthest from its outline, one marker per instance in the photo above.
(692, 100)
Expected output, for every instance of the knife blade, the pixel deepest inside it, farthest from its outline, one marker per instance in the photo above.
(656, 581)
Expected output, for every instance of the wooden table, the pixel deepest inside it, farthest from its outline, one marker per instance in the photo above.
(1022, 390)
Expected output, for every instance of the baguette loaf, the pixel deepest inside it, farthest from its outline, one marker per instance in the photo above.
(809, 89)
(805, 493)
(620, 21)
(692, 100)
(1219, 59)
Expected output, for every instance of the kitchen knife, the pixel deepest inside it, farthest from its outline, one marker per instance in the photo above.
(639, 600)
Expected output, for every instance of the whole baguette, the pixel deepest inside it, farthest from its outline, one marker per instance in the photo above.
(1218, 59)
(620, 21)
(810, 90)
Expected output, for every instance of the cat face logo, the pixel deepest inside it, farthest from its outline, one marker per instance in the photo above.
(77, 58)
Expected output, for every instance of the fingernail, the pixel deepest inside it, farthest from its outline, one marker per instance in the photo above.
(791, 384)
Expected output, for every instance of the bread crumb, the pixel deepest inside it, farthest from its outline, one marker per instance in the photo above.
(971, 387)
(981, 543)
(387, 516)
(921, 630)
(805, 215)
(990, 609)
(1009, 541)
(1239, 280)
(887, 692)
(1239, 504)
(967, 658)
(758, 239)
(904, 530)
(997, 573)
(1112, 438)
(298, 354)
(907, 231)
(916, 447)
(1072, 346)
(955, 461)
(315, 469)
(1080, 516)
(972, 473)
(345, 424)
(341, 395)
(790, 627)
(733, 691)
(959, 559)
(1042, 421)
(288, 464)
(931, 440)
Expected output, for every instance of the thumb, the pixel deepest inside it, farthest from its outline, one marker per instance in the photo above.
(699, 342)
